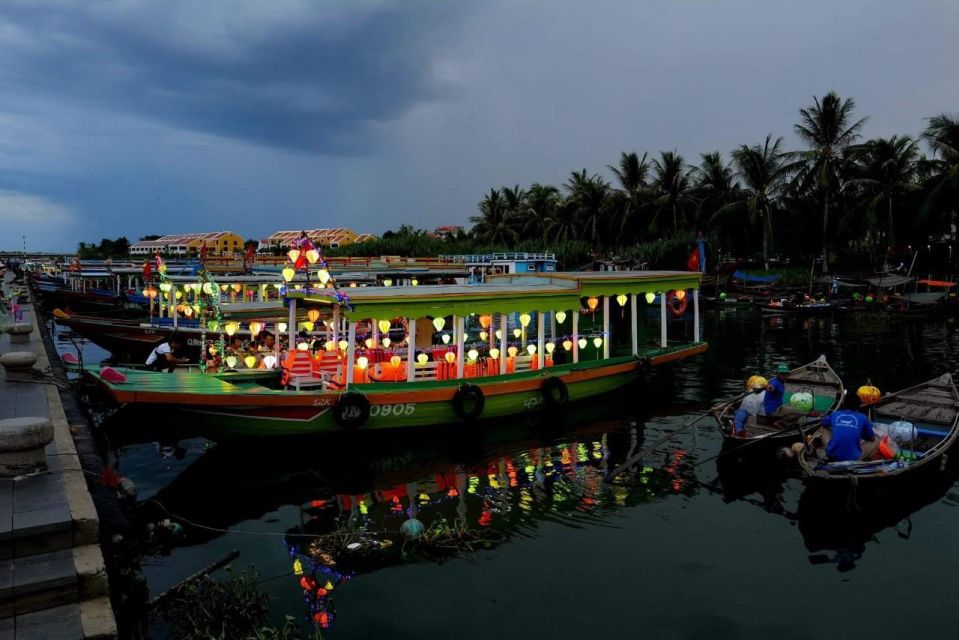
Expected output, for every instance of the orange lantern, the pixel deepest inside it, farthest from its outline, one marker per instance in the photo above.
(313, 315)
(680, 294)
(485, 321)
(592, 303)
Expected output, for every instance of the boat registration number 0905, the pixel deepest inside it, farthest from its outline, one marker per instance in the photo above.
(384, 410)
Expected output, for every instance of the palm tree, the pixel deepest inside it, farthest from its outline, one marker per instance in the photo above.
(563, 226)
(589, 197)
(888, 168)
(538, 208)
(494, 225)
(671, 190)
(764, 174)
(632, 174)
(828, 130)
(942, 135)
(714, 183)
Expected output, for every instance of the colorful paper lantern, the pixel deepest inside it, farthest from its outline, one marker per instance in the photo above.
(621, 299)
(592, 303)
(494, 353)
(288, 274)
(567, 344)
(422, 358)
(312, 256)
(531, 349)
(293, 254)
(582, 343)
(362, 362)
(281, 327)
(250, 361)
(450, 357)
(384, 326)
(597, 342)
(524, 319)
(269, 361)
(512, 351)
(560, 316)
(396, 361)
(680, 294)
(313, 314)
(256, 328)
(343, 344)
(439, 323)
(472, 354)
(445, 338)
(485, 321)
(386, 343)
(650, 297)
(231, 362)
(550, 347)
(517, 333)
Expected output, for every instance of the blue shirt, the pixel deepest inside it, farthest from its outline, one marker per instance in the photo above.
(848, 428)
(775, 393)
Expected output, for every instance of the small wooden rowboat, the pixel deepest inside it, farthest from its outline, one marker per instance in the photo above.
(933, 410)
(816, 378)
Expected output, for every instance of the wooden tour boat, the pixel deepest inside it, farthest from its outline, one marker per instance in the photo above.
(516, 344)
(932, 408)
(816, 378)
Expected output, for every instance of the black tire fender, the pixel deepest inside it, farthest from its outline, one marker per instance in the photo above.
(468, 402)
(351, 411)
(555, 393)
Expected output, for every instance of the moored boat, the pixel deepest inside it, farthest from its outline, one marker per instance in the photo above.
(816, 378)
(929, 411)
(495, 367)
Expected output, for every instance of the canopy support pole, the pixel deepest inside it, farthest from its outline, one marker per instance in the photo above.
(291, 326)
(633, 324)
(504, 332)
(350, 353)
(540, 339)
(696, 315)
(460, 322)
(605, 327)
(335, 325)
(576, 336)
(662, 319)
(411, 351)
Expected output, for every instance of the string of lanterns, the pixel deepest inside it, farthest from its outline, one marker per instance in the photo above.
(303, 256)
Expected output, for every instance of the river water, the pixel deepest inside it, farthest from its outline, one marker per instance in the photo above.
(683, 545)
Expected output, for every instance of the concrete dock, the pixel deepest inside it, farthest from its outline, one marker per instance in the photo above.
(53, 583)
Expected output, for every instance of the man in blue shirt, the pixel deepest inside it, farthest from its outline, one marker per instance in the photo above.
(850, 436)
(773, 401)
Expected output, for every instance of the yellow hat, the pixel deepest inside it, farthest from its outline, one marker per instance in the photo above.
(756, 382)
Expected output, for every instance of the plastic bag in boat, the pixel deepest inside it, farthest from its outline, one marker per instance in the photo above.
(902, 431)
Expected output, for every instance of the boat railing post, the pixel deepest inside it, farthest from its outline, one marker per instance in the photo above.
(633, 324)
(696, 337)
(460, 323)
(575, 336)
(662, 319)
(606, 327)
(411, 351)
(350, 353)
(335, 325)
(540, 339)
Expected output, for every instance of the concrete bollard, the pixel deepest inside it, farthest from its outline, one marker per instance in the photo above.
(19, 332)
(22, 442)
(18, 365)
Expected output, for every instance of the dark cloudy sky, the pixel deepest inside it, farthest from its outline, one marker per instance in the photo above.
(124, 117)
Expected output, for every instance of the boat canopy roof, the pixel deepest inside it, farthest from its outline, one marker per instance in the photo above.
(502, 294)
(745, 277)
(889, 281)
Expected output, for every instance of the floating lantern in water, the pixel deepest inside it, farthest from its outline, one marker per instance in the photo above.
(560, 316)
(412, 528)
(802, 400)
(722, 296)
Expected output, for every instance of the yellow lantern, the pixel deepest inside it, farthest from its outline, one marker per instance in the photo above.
(250, 361)
(472, 354)
(396, 361)
(517, 333)
(592, 303)
(499, 334)
(165, 287)
(386, 343)
(369, 343)
(621, 299)
(384, 326)
(485, 321)
(281, 327)
(550, 347)
(302, 346)
(208, 288)
(597, 342)
(224, 287)
(650, 297)
(313, 315)
(288, 274)
(324, 276)
(343, 344)
(362, 362)
(312, 256)
(213, 325)
(256, 328)
(446, 338)
(439, 323)
(187, 311)
(483, 335)
(231, 362)
(450, 357)
(414, 282)
(512, 351)
(422, 358)
(567, 344)
(582, 343)
(309, 326)
(387, 283)
(294, 254)
(868, 394)
(179, 295)
(494, 353)
(329, 345)
(531, 349)
(560, 316)
(680, 294)
(269, 361)
(524, 319)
